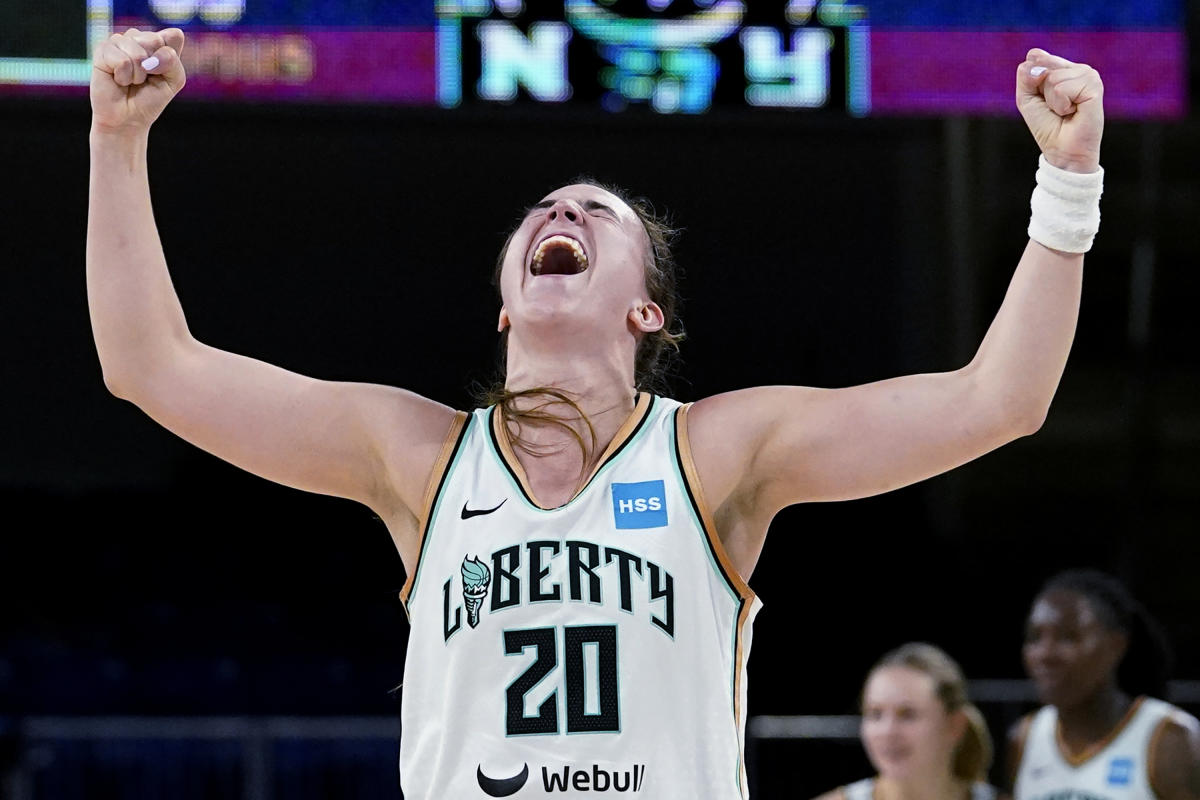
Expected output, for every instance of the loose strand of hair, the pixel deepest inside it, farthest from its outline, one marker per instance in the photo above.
(545, 397)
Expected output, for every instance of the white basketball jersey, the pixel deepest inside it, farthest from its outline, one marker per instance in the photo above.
(596, 648)
(1116, 771)
(865, 790)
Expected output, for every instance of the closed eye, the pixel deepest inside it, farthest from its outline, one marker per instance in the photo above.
(593, 205)
(536, 207)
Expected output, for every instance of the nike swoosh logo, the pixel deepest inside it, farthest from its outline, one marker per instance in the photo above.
(467, 513)
(502, 787)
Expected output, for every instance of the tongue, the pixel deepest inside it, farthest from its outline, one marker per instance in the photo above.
(559, 261)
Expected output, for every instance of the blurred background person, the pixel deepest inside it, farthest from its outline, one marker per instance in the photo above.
(924, 737)
(1100, 664)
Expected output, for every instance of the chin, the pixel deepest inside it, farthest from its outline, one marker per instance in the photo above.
(552, 311)
(894, 768)
(1055, 695)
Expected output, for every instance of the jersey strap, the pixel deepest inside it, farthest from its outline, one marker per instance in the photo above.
(433, 489)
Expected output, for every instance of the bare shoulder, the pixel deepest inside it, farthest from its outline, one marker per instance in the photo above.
(410, 438)
(1020, 729)
(1179, 733)
(1017, 735)
(409, 432)
(728, 431)
(752, 407)
(1175, 758)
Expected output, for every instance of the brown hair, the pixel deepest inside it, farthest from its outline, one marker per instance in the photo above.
(655, 351)
(973, 755)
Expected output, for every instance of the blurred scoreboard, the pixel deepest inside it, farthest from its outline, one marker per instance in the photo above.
(876, 57)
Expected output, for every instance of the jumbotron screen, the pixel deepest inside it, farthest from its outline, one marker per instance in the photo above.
(874, 57)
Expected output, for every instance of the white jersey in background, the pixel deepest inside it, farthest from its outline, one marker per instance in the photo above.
(596, 648)
(865, 790)
(1118, 770)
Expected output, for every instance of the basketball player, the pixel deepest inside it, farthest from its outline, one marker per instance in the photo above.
(921, 733)
(577, 556)
(1100, 664)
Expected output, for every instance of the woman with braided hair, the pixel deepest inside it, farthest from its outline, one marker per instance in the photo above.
(922, 734)
(1100, 663)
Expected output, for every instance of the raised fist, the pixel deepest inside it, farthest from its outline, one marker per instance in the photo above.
(1063, 105)
(134, 75)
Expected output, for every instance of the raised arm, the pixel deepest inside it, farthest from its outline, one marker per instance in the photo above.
(368, 443)
(1174, 768)
(762, 449)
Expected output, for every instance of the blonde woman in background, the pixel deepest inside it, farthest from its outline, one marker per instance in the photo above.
(927, 741)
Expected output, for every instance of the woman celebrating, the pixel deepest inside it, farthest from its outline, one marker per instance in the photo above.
(927, 741)
(1099, 660)
(579, 520)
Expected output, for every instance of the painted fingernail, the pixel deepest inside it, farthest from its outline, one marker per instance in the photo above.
(150, 63)
(1037, 71)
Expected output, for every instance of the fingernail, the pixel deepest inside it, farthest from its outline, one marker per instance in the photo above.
(150, 63)
(1037, 71)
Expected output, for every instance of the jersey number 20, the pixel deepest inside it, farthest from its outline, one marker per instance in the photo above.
(601, 715)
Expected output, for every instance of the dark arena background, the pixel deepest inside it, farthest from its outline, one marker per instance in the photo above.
(332, 188)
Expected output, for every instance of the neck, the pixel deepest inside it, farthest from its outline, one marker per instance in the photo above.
(1095, 716)
(604, 398)
(596, 373)
(939, 786)
(598, 376)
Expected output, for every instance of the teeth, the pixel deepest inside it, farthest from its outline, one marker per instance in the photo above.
(559, 240)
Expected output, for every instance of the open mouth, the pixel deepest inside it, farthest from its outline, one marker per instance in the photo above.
(559, 255)
(895, 753)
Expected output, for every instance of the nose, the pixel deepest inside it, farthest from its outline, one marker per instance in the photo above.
(1041, 652)
(564, 209)
(1033, 653)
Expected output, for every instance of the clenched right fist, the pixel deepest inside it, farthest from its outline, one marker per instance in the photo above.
(134, 75)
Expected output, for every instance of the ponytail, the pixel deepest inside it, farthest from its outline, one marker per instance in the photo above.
(973, 756)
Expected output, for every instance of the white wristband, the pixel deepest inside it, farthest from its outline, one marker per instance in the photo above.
(1066, 208)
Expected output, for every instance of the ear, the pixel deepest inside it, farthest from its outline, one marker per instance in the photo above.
(1118, 644)
(957, 725)
(503, 322)
(646, 317)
